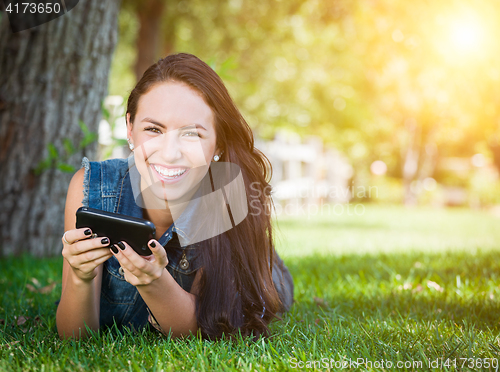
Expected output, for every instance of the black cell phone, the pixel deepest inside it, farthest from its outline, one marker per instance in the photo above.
(137, 232)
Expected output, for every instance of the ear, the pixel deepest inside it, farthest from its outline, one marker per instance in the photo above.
(129, 126)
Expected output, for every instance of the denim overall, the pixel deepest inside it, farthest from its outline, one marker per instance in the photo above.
(107, 186)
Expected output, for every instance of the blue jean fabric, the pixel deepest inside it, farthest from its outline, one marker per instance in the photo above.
(107, 186)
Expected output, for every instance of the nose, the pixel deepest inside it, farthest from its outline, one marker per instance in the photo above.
(171, 147)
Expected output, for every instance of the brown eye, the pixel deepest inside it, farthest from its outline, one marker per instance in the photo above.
(152, 129)
(191, 134)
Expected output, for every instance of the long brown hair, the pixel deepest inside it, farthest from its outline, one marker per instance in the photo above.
(236, 292)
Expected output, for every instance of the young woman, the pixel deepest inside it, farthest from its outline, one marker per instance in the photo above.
(210, 271)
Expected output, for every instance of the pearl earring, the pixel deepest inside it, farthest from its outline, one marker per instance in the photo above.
(217, 157)
(130, 145)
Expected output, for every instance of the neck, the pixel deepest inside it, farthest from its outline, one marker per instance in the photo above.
(161, 221)
(156, 210)
(159, 211)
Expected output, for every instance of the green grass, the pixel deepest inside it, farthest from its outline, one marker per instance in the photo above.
(390, 285)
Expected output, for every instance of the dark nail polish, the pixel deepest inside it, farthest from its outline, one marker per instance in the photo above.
(87, 232)
(152, 244)
(114, 249)
(104, 241)
(121, 245)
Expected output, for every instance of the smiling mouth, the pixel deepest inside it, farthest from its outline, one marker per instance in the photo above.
(170, 174)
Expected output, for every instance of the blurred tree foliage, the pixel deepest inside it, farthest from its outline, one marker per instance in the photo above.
(403, 82)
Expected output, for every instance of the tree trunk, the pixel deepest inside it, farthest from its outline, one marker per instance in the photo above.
(410, 164)
(149, 14)
(495, 150)
(169, 24)
(52, 77)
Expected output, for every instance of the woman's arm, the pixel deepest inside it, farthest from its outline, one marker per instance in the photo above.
(173, 307)
(82, 271)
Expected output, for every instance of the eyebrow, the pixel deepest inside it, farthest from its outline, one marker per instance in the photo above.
(152, 121)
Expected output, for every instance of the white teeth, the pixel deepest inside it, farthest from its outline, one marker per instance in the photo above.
(171, 173)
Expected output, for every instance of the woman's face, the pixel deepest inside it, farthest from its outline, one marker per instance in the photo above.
(174, 138)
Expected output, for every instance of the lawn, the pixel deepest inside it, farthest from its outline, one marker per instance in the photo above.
(393, 287)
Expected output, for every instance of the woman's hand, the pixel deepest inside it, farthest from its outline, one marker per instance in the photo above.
(141, 270)
(84, 255)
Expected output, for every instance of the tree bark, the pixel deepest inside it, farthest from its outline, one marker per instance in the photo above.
(51, 77)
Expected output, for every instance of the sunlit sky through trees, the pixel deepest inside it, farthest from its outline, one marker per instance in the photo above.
(373, 78)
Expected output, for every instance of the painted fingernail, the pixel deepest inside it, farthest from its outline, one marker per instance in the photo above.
(87, 232)
(104, 241)
(121, 245)
(152, 244)
(114, 249)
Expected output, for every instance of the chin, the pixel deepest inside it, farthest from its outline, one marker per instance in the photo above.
(170, 193)
(167, 194)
